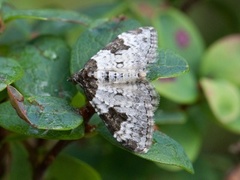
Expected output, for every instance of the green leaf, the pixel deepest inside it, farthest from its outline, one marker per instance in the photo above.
(164, 149)
(221, 60)
(57, 28)
(65, 167)
(79, 100)
(224, 100)
(182, 89)
(168, 64)
(51, 113)
(167, 151)
(10, 71)
(169, 117)
(16, 31)
(106, 9)
(12, 122)
(20, 164)
(187, 135)
(47, 14)
(177, 32)
(92, 40)
(46, 66)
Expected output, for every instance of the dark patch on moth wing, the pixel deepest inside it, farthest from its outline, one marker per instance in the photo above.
(145, 40)
(130, 144)
(113, 119)
(85, 78)
(116, 45)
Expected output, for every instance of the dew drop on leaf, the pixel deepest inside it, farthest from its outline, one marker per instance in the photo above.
(50, 54)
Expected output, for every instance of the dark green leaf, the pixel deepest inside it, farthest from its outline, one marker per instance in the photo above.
(46, 66)
(48, 113)
(20, 164)
(12, 122)
(10, 71)
(187, 135)
(65, 167)
(182, 89)
(167, 151)
(164, 149)
(12, 32)
(168, 64)
(106, 10)
(45, 112)
(169, 117)
(47, 14)
(55, 28)
(15, 32)
(51, 113)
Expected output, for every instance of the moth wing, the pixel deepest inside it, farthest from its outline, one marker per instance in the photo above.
(130, 50)
(127, 110)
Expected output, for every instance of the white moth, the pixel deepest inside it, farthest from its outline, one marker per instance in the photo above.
(115, 84)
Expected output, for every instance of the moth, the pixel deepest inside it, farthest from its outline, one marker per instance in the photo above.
(115, 83)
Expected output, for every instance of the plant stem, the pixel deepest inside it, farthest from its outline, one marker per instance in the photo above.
(87, 112)
(49, 158)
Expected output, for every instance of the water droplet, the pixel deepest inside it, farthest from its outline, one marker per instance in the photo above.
(50, 54)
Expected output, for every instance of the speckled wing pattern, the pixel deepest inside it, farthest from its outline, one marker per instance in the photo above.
(115, 84)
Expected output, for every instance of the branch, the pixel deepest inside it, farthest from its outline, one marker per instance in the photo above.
(49, 158)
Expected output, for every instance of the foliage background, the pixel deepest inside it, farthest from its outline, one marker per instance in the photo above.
(201, 110)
